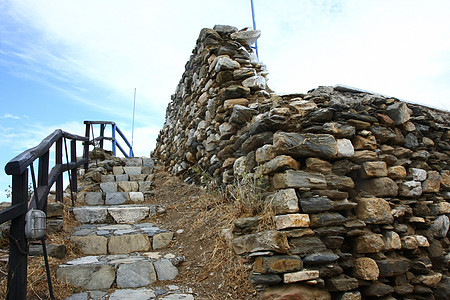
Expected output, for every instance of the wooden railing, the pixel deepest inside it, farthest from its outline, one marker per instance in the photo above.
(19, 168)
(115, 143)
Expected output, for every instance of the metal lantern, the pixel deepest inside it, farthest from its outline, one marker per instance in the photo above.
(36, 224)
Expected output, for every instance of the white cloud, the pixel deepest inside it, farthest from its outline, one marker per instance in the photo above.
(9, 116)
(400, 48)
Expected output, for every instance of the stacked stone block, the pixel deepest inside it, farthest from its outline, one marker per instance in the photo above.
(360, 183)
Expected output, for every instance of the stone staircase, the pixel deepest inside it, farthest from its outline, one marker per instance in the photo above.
(124, 255)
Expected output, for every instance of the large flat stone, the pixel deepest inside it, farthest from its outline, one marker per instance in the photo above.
(90, 277)
(128, 214)
(132, 170)
(291, 221)
(137, 274)
(303, 275)
(264, 241)
(299, 179)
(309, 145)
(127, 186)
(90, 214)
(133, 161)
(91, 244)
(108, 187)
(303, 246)
(277, 264)
(129, 243)
(94, 198)
(116, 198)
(137, 294)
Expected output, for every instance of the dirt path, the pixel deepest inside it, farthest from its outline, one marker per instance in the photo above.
(211, 268)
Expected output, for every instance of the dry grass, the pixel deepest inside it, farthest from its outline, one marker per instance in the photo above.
(37, 285)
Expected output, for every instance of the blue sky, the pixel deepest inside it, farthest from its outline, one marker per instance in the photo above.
(66, 61)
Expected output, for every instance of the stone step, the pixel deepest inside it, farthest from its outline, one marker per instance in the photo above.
(120, 238)
(125, 271)
(171, 292)
(126, 177)
(115, 198)
(121, 214)
(126, 186)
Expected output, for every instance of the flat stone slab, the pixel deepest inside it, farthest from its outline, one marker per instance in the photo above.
(126, 270)
(121, 177)
(132, 170)
(138, 294)
(90, 214)
(133, 161)
(178, 297)
(108, 187)
(119, 213)
(136, 274)
(94, 198)
(116, 198)
(90, 277)
(128, 214)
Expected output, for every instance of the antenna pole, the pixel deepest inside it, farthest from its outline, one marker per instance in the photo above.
(132, 128)
(254, 27)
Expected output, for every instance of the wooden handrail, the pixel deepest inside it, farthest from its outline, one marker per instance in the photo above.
(18, 168)
(21, 162)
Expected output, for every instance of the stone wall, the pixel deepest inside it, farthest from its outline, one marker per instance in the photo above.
(360, 183)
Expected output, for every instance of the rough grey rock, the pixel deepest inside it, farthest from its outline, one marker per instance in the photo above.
(137, 294)
(165, 270)
(284, 201)
(309, 145)
(178, 297)
(78, 296)
(90, 214)
(225, 28)
(108, 187)
(299, 179)
(137, 274)
(399, 113)
(90, 277)
(116, 198)
(264, 241)
(248, 37)
(94, 198)
(128, 214)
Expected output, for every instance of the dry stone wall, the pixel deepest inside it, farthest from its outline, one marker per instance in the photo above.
(360, 183)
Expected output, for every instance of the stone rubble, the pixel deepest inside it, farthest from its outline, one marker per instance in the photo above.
(360, 182)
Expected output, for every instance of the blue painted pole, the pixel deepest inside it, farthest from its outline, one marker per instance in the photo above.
(114, 139)
(254, 27)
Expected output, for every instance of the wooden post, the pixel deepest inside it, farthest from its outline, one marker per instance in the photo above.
(86, 145)
(59, 180)
(102, 134)
(43, 173)
(73, 158)
(17, 273)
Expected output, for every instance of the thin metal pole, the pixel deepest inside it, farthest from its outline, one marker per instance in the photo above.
(132, 129)
(254, 27)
